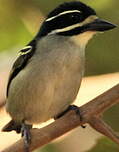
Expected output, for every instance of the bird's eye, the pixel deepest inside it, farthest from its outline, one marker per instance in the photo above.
(75, 17)
(72, 16)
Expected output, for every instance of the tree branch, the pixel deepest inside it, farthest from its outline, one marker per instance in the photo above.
(90, 113)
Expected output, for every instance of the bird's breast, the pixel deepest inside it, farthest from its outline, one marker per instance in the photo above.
(48, 84)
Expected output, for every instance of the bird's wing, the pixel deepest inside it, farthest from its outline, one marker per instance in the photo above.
(24, 55)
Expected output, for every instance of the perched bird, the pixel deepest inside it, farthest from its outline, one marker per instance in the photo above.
(46, 77)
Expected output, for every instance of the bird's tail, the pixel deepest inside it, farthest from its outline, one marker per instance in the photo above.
(12, 126)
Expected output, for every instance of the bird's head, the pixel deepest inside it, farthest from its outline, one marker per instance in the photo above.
(74, 19)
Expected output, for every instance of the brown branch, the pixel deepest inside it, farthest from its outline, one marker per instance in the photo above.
(99, 125)
(90, 113)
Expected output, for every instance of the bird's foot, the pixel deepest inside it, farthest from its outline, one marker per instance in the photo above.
(25, 131)
(71, 107)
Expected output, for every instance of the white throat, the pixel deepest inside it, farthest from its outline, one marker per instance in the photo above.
(82, 39)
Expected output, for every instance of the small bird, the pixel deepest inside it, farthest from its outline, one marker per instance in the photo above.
(46, 77)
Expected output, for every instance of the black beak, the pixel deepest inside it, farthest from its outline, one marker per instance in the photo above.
(99, 25)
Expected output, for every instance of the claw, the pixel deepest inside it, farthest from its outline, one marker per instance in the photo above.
(71, 107)
(25, 132)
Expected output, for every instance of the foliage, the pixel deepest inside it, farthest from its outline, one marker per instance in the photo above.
(103, 145)
(48, 148)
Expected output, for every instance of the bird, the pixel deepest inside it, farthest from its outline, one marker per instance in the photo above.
(45, 78)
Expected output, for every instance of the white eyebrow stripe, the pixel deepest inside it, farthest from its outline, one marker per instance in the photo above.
(65, 29)
(65, 12)
(86, 21)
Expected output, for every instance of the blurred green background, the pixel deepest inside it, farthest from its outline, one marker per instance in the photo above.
(20, 20)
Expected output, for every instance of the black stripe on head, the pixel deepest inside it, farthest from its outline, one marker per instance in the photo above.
(65, 20)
